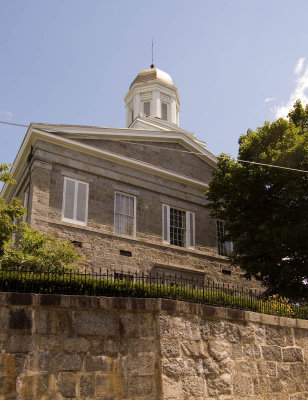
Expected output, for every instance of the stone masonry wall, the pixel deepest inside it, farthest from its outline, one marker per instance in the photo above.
(78, 347)
(102, 248)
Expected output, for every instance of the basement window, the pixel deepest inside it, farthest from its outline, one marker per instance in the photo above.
(125, 253)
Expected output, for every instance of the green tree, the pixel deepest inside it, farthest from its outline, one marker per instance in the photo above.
(265, 209)
(33, 250)
(39, 252)
(8, 212)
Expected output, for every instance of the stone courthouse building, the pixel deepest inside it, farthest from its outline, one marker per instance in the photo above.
(133, 199)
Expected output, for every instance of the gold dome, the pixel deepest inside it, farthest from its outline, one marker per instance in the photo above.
(152, 74)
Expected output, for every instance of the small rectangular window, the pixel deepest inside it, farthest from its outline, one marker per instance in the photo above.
(164, 111)
(147, 108)
(124, 214)
(178, 227)
(75, 201)
(224, 247)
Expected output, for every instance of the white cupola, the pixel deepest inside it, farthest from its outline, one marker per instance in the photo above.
(153, 95)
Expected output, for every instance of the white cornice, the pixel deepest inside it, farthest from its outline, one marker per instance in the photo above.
(178, 135)
(36, 132)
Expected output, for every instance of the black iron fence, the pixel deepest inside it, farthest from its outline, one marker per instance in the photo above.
(157, 285)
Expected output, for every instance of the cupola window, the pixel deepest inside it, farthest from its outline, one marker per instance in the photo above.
(164, 111)
(147, 108)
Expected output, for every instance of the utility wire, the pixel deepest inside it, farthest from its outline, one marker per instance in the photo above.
(12, 123)
(176, 150)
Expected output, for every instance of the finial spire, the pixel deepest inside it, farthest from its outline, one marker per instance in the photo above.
(152, 65)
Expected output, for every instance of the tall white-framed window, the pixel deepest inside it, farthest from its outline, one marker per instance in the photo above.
(224, 247)
(124, 214)
(75, 201)
(178, 226)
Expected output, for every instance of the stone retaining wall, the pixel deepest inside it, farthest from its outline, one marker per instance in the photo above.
(78, 347)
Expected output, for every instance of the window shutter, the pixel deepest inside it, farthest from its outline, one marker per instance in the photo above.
(147, 108)
(190, 226)
(166, 223)
(164, 112)
(82, 202)
(69, 194)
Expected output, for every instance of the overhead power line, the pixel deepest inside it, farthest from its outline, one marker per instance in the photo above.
(13, 123)
(165, 148)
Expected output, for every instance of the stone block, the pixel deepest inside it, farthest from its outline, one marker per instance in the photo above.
(252, 351)
(67, 384)
(292, 354)
(141, 385)
(87, 385)
(32, 386)
(136, 324)
(7, 364)
(95, 323)
(20, 319)
(279, 336)
(108, 387)
(275, 385)
(219, 386)
(76, 344)
(171, 389)
(267, 368)
(192, 348)
(172, 366)
(246, 367)
(7, 384)
(169, 348)
(40, 320)
(22, 344)
(68, 362)
(175, 327)
(97, 363)
(193, 366)
(22, 299)
(259, 385)
(219, 350)
(271, 353)
(138, 365)
(59, 322)
(41, 361)
(242, 385)
(193, 386)
(211, 368)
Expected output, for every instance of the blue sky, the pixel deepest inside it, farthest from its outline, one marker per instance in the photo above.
(236, 63)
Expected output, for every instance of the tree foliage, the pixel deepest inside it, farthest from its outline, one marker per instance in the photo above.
(8, 212)
(39, 252)
(32, 250)
(265, 209)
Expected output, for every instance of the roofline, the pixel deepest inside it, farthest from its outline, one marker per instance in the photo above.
(34, 133)
(186, 138)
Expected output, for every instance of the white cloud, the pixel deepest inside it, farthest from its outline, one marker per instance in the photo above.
(6, 114)
(299, 66)
(300, 91)
(268, 99)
